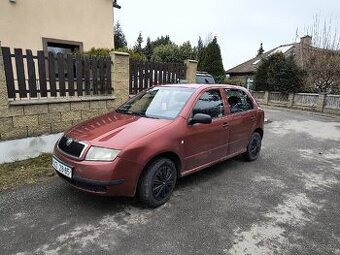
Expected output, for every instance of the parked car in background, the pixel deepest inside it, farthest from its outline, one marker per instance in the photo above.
(204, 78)
(158, 136)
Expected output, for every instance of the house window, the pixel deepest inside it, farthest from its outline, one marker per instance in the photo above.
(62, 46)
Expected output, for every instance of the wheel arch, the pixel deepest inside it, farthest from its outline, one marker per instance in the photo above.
(167, 154)
(260, 131)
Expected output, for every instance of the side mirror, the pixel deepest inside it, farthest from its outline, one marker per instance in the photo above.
(200, 118)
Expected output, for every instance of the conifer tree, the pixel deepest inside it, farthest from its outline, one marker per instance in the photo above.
(119, 37)
(211, 61)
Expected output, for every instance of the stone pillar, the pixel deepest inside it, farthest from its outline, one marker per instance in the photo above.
(290, 99)
(120, 76)
(321, 102)
(191, 69)
(3, 85)
(266, 97)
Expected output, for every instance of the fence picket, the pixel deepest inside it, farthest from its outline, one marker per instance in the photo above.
(101, 75)
(94, 67)
(135, 82)
(61, 74)
(140, 75)
(42, 74)
(151, 74)
(52, 74)
(79, 75)
(70, 75)
(87, 75)
(6, 52)
(145, 76)
(32, 80)
(19, 64)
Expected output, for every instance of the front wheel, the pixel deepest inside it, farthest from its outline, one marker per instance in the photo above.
(157, 182)
(254, 147)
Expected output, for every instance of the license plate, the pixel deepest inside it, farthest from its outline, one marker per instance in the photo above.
(62, 168)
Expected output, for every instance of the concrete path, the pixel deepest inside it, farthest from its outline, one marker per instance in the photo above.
(287, 202)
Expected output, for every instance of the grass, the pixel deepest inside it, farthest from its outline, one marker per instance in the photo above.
(29, 171)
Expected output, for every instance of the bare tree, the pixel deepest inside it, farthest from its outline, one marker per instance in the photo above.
(321, 58)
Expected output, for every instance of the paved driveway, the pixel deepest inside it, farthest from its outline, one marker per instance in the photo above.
(287, 202)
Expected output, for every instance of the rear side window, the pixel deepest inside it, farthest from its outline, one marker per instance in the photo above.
(210, 103)
(238, 100)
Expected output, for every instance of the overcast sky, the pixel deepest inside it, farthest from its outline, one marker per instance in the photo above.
(240, 25)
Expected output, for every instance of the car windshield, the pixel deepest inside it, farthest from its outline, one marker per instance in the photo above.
(159, 102)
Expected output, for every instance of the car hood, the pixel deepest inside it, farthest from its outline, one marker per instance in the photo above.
(115, 130)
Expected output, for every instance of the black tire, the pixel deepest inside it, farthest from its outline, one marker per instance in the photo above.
(254, 147)
(157, 182)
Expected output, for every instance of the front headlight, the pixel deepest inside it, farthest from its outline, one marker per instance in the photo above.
(101, 154)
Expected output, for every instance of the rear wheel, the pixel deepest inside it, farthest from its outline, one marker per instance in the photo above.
(157, 182)
(254, 147)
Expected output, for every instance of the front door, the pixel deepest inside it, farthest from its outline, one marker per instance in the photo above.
(205, 143)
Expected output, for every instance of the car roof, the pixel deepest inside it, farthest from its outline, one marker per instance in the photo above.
(204, 74)
(197, 86)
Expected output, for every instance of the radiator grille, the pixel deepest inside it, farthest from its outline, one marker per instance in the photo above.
(71, 147)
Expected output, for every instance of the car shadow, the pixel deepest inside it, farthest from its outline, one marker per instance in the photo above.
(207, 174)
(102, 205)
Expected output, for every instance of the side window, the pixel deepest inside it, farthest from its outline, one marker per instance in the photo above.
(238, 100)
(210, 103)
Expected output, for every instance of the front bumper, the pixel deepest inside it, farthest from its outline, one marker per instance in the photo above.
(116, 178)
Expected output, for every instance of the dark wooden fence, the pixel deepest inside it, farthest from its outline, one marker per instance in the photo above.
(55, 75)
(146, 74)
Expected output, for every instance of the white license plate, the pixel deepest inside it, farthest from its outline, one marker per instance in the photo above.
(62, 168)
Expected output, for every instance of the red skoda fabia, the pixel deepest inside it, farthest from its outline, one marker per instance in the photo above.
(158, 136)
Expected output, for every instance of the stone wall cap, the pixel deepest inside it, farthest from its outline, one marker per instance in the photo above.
(191, 61)
(61, 100)
(121, 53)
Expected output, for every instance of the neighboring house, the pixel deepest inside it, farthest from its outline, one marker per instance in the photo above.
(245, 71)
(57, 25)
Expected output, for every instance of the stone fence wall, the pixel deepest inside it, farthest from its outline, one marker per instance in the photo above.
(34, 117)
(306, 101)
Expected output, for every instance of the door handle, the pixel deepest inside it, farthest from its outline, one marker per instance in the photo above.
(253, 118)
(225, 125)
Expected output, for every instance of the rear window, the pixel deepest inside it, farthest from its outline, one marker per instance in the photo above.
(205, 79)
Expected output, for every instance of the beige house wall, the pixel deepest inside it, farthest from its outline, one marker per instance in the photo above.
(23, 24)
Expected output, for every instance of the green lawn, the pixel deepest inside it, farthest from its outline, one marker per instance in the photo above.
(19, 173)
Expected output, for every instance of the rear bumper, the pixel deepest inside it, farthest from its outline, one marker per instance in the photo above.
(117, 178)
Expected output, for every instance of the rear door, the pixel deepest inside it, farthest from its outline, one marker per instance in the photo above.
(242, 119)
(205, 143)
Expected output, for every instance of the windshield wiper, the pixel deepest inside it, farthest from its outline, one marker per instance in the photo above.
(138, 114)
(143, 115)
(122, 111)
